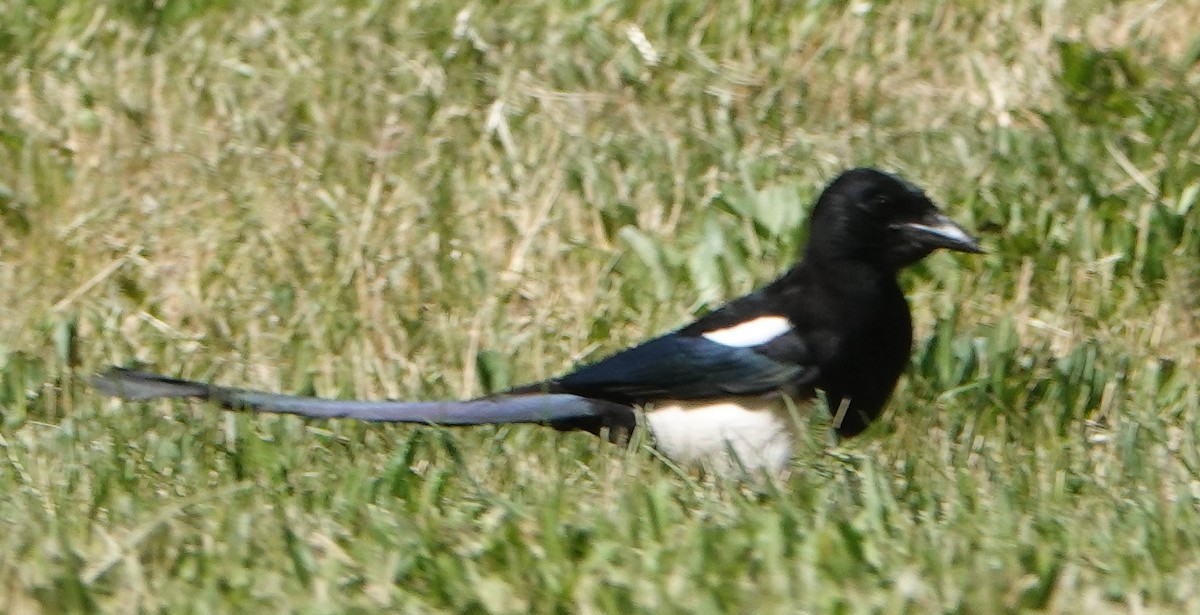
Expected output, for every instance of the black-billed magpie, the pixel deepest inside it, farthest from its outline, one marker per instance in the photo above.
(726, 383)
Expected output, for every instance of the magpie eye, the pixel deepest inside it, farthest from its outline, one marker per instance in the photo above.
(874, 205)
(878, 207)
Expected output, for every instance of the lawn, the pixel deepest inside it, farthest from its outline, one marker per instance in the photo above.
(432, 199)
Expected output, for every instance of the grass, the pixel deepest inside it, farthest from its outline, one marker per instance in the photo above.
(431, 200)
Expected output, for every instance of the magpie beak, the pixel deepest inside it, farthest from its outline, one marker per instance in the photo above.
(939, 231)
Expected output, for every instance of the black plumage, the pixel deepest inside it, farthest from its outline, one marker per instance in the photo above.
(836, 321)
(851, 329)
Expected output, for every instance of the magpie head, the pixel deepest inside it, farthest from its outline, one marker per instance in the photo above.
(871, 216)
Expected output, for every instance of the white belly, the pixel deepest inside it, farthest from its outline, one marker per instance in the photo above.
(758, 431)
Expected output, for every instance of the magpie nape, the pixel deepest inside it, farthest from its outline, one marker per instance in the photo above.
(727, 383)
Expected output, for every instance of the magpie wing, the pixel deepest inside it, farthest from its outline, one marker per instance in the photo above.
(687, 366)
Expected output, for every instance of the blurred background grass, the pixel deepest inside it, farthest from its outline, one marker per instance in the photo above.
(425, 200)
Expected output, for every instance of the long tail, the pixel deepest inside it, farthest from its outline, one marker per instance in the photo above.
(558, 410)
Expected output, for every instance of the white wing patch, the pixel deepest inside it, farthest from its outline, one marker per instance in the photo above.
(752, 332)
